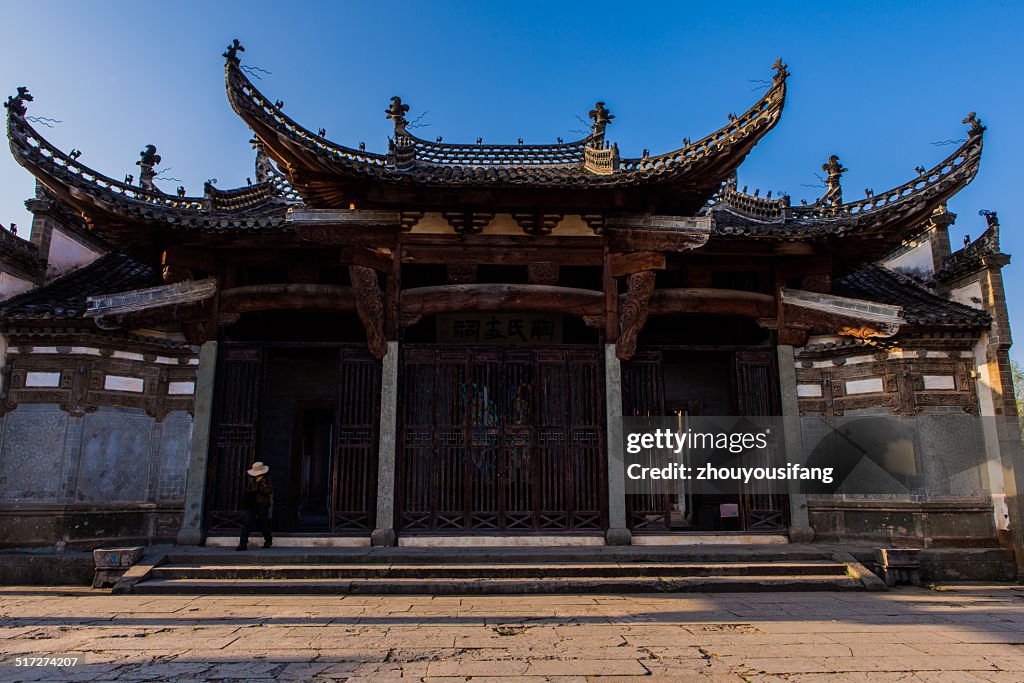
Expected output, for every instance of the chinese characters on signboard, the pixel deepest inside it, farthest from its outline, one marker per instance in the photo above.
(499, 328)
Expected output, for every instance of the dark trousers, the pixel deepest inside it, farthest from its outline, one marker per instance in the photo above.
(252, 514)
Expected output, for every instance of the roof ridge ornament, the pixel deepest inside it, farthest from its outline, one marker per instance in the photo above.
(231, 54)
(781, 72)
(975, 123)
(15, 104)
(601, 116)
(834, 194)
(148, 158)
(396, 112)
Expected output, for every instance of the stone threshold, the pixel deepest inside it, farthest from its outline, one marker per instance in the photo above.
(493, 541)
(710, 539)
(292, 541)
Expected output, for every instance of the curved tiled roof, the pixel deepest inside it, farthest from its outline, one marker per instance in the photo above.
(317, 166)
(98, 196)
(920, 306)
(66, 296)
(880, 221)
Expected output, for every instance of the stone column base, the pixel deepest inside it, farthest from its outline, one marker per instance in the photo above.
(618, 537)
(189, 537)
(801, 534)
(384, 538)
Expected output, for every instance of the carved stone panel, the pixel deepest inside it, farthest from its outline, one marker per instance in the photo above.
(173, 457)
(116, 458)
(32, 454)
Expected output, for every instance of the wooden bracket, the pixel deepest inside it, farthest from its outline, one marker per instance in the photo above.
(633, 314)
(370, 307)
(636, 262)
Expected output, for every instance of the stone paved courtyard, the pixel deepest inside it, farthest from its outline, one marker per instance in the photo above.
(956, 633)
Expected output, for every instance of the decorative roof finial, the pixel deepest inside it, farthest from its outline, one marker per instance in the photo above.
(231, 54)
(835, 170)
(396, 112)
(15, 104)
(148, 158)
(601, 118)
(991, 218)
(781, 72)
(974, 121)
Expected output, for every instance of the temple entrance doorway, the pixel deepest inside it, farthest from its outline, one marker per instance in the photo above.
(501, 440)
(310, 478)
(310, 412)
(680, 382)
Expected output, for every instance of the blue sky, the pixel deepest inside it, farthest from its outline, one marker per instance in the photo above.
(875, 83)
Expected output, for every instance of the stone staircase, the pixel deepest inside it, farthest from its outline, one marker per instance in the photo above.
(438, 571)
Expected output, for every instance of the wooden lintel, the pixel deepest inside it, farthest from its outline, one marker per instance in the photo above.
(627, 264)
(712, 300)
(502, 252)
(420, 301)
(379, 260)
(292, 296)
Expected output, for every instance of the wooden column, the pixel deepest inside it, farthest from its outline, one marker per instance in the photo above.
(611, 301)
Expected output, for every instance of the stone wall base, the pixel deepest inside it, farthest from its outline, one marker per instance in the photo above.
(899, 523)
(87, 527)
(46, 569)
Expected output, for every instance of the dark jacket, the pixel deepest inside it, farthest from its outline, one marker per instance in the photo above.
(259, 490)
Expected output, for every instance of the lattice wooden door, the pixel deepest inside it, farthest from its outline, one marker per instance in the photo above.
(757, 392)
(239, 373)
(500, 440)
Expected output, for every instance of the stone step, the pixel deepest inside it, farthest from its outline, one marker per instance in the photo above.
(498, 586)
(593, 555)
(275, 571)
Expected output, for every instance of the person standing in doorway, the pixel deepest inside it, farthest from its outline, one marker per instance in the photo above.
(258, 499)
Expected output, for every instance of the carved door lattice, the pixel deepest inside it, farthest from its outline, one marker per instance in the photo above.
(236, 432)
(501, 440)
(757, 394)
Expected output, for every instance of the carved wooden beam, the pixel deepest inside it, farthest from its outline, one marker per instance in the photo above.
(627, 264)
(346, 227)
(420, 301)
(657, 233)
(292, 296)
(712, 300)
(370, 307)
(461, 273)
(633, 312)
(543, 273)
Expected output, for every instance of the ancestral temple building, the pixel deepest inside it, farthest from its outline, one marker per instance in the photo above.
(439, 339)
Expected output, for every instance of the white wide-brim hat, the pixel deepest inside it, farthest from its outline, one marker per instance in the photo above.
(258, 468)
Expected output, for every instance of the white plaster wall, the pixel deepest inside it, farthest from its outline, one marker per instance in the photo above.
(11, 285)
(67, 254)
(918, 260)
(969, 295)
